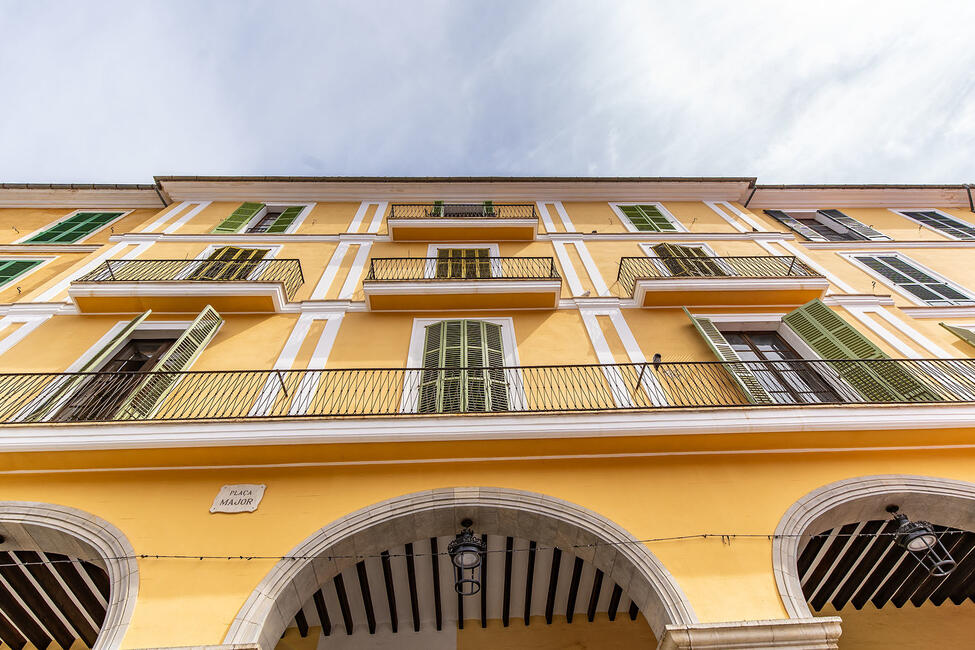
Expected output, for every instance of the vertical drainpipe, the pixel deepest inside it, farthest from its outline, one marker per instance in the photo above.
(755, 189)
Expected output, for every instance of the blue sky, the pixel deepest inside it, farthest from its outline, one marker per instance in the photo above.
(789, 92)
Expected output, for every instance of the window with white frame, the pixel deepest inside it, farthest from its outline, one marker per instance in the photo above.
(463, 261)
(914, 280)
(646, 217)
(941, 222)
(826, 225)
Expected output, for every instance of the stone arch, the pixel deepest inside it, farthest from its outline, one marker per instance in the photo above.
(860, 498)
(28, 525)
(265, 614)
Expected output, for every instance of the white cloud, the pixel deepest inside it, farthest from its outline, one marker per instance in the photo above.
(822, 92)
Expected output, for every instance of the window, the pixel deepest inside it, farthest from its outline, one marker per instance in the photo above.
(826, 225)
(463, 368)
(228, 263)
(10, 269)
(913, 279)
(942, 223)
(684, 261)
(646, 218)
(259, 218)
(74, 228)
(456, 263)
(786, 383)
(461, 210)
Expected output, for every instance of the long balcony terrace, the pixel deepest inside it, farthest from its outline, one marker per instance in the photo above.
(218, 395)
(187, 285)
(485, 221)
(671, 281)
(474, 282)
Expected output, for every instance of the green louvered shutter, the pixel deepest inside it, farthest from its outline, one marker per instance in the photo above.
(854, 226)
(285, 219)
(675, 258)
(647, 218)
(10, 269)
(965, 334)
(149, 394)
(794, 225)
(73, 228)
(239, 218)
(489, 208)
(437, 209)
(738, 369)
(445, 385)
(54, 393)
(831, 337)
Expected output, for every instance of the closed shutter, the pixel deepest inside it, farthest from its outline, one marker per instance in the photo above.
(964, 333)
(239, 218)
(792, 224)
(10, 269)
(285, 219)
(944, 224)
(688, 261)
(73, 228)
(854, 226)
(647, 218)
(463, 263)
(149, 394)
(437, 209)
(53, 395)
(446, 383)
(914, 280)
(489, 208)
(831, 337)
(738, 369)
(228, 263)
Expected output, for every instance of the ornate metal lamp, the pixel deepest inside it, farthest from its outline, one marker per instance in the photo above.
(465, 554)
(920, 540)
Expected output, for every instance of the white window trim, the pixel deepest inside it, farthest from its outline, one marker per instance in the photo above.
(278, 204)
(517, 399)
(824, 219)
(43, 259)
(494, 251)
(851, 258)
(902, 212)
(122, 215)
(615, 205)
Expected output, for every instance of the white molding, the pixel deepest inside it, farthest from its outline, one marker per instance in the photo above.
(564, 217)
(811, 633)
(175, 288)
(122, 215)
(331, 270)
(546, 217)
(789, 247)
(851, 258)
(758, 226)
(43, 259)
(179, 223)
(28, 325)
(63, 284)
(591, 269)
(902, 212)
(355, 271)
(721, 213)
(912, 333)
(456, 287)
(858, 300)
(642, 286)
(615, 380)
(494, 426)
(308, 386)
(861, 315)
(167, 214)
(861, 243)
(377, 218)
(939, 312)
(629, 225)
(360, 213)
(568, 269)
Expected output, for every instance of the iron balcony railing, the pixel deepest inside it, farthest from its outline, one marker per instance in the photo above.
(213, 395)
(462, 211)
(285, 271)
(392, 269)
(756, 266)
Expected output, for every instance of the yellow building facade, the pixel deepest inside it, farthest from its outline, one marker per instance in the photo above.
(674, 413)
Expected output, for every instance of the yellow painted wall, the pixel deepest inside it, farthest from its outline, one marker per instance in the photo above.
(909, 628)
(28, 220)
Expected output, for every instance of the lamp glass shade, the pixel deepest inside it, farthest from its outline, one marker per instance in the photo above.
(467, 557)
(920, 541)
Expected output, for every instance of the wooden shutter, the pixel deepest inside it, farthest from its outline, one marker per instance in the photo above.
(688, 261)
(10, 269)
(444, 262)
(285, 219)
(854, 226)
(73, 228)
(53, 395)
(792, 224)
(437, 208)
(965, 334)
(647, 218)
(489, 208)
(738, 369)
(149, 394)
(831, 337)
(451, 346)
(239, 218)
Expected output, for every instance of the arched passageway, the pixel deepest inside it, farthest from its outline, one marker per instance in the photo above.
(348, 559)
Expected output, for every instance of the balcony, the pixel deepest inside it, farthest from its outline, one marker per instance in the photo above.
(463, 222)
(119, 286)
(433, 284)
(720, 281)
(219, 395)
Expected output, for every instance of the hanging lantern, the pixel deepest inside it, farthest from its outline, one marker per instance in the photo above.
(920, 540)
(465, 554)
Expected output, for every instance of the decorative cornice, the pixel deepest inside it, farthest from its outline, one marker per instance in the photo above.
(940, 312)
(33, 195)
(820, 633)
(862, 244)
(858, 300)
(49, 248)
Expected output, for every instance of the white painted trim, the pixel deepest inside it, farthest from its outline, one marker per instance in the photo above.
(546, 217)
(721, 213)
(166, 215)
(360, 213)
(861, 315)
(758, 226)
(863, 243)
(331, 270)
(175, 288)
(644, 286)
(591, 269)
(433, 250)
(122, 215)
(851, 258)
(902, 212)
(939, 312)
(90, 266)
(377, 218)
(457, 287)
(568, 269)
(29, 324)
(310, 381)
(286, 358)
(617, 385)
(179, 223)
(650, 385)
(355, 272)
(564, 216)
(789, 247)
(911, 333)
(43, 259)
(277, 205)
(409, 400)
(629, 225)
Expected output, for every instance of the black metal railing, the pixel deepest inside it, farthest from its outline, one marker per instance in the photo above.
(462, 211)
(756, 266)
(285, 271)
(383, 269)
(210, 395)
